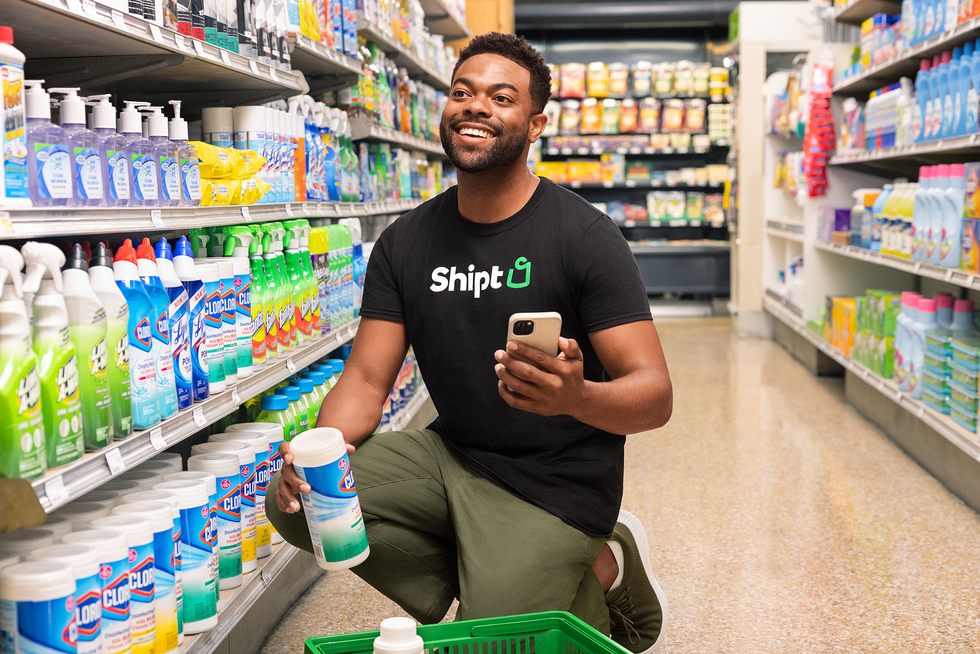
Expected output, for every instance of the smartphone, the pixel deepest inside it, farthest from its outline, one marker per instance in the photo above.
(539, 330)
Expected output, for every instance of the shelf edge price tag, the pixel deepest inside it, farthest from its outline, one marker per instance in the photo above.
(235, 397)
(288, 208)
(198, 48)
(118, 20)
(157, 217)
(157, 440)
(88, 6)
(290, 365)
(224, 57)
(114, 460)
(54, 488)
(273, 74)
(245, 214)
(254, 66)
(199, 418)
(179, 40)
(155, 33)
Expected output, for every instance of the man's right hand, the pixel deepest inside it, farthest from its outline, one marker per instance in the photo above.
(290, 484)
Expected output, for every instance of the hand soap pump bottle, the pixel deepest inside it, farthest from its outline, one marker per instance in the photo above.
(49, 165)
(166, 153)
(187, 160)
(87, 182)
(141, 153)
(112, 150)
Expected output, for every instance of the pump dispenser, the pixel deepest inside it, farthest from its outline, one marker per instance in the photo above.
(187, 160)
(142, 358)
(166, 156)
(49, 166)
(191, 280)
(160, 322)
(89, 327)
(22, 444)
(180, 345)
(297, 282)
(142, 157)
(241, 242)
(103, 282)
(117, 188)
(88, 184)
(57, 362)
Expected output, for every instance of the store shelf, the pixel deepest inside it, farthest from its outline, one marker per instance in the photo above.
(856, 12)
(402, 54)
(567, 152)
(440, 21)
(83, 43)
(963, 439)
(791, 230)
(946, 150)
(47, 223)
(404, 417)
(364, 131)
(907, 63)
(65, 483)
(793, 308)
(941, 273)
(324, 67)
(628, 184)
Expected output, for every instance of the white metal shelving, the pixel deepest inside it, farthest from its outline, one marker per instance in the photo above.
(402, 54)
(324, 67)
(440, 20)
(940, 273)
(945, 426)
(65, 483)
(362, 130)
(961, 145)
(856, 12)
(791, 230)
(567, 152)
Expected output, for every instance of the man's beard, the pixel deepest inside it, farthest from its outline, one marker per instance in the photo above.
(504, 151)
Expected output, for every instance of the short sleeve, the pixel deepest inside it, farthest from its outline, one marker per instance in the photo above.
(382, 299)
(608, 282)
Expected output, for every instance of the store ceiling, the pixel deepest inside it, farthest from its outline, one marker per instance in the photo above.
(570, 14)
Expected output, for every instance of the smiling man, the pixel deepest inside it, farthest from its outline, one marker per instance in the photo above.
(510, 500)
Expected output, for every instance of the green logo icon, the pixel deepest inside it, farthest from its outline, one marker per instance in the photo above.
(520, 264)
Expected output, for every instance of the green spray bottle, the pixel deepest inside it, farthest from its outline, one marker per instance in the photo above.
(284, 302)
(22, 453)
(312, 286)
(198, 238)
(89, 334)
(301, 294)
(57, 363)
(103, 281)
(256, 250)
(216, 241)
(278, 246)
(240, 242)
(275, 409)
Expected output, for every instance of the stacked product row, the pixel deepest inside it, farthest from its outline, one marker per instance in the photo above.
(642, 79)
(615, 169)
(404, 21)
(668, 207)
(646, 116)
(331, 22)
(156, 330)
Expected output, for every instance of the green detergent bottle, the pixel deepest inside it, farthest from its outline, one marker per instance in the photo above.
(284, 303)
(89, 334)
(298, 282)
(309, 395)
(275, 409)
(57, 362)
(21, 421)
(297, 406)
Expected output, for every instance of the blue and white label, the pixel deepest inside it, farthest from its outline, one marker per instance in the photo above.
(180, 344)
(170, 177)
(213, 305)
(198, 573)
(116, 635)
(228, 329)
(229, 526)
(53, 171)
(190, 174)
(38, 627)
(198, 340)
(164, 591)
(243, 319)
(118, 167)
(142, 578)
(145, 177)
(88, 174)
(88, 614)
(333, 512)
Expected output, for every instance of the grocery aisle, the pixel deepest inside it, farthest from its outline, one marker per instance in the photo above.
(781, 521)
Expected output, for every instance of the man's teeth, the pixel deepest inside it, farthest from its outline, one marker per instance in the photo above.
(472, 131)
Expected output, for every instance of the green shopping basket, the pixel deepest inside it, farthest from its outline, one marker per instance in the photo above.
(552, 632)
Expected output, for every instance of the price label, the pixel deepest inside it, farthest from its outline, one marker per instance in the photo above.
(75, 6)
(607, 184)
(157, 217)
(118, 20)
(157, 440)
(629, 223)
(235, 397)
(198, 48)
(351, 332)
(88, 6)
(155, 33)
(179, 40)
(254, 66)
(290, 365)
(224, 57)
(245, 214)
(199, 418)
(114, 459)
(288, 208)
(351, 209)
(273, 74)
(54, 488)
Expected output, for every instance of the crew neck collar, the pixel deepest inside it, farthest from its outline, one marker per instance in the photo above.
(489, 229)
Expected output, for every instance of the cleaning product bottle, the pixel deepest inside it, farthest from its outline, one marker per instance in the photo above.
(961, 100)
(13, 178)
(275, 409)
(286, 318)
(212, 320)
(319, 247)
(312, 287)
(952, 84)
(191, 280)
(228, 332)
(142, 353)
(88, 184)
(22, 446)
(919, 224)
(142, 157)
(166, 385)
(272, 290)
(89, 328)
(187, 160)
(297, 407)
(972, 101)
(49, 165)
(103, 282)
(179, 323)
(940, 181)
(359, 265)
(924, 100)
(944, 309)
(117, 187)
(925, 319)
(57, 361)
(319, 381)
(242, 306)
(297, 282)
(907, 210)
(309, 398)
(265, 296)
(166, 154)
(240, 242)
(939, 98)
(348, 272)
(954, 197)
(904, 106)
(963, 319)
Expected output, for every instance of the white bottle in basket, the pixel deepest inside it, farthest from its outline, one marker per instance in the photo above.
(398, 636)
(332, 510)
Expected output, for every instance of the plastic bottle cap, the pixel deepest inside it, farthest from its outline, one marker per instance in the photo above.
(275, 402)
(144, 478)
(205, 478)
(291, 392)
(398, 636)
(156, 122)
(337, 365)
(910, 299)
(305, 385)
(109, 545)
(120, 486)
(72, 107)
(103, 113)
(963, 306)
(317, 447)
(145, 251)
(208, 272)
(946, 58)
(76, 259)
(130, 120)
(108, 499)
(23, 541)
(318, 378)
(162, 250)
(138, 531)
(182, 248)
(80, 513)
(36, 581)
(250, 119)
(927, 306)
(125, 252)
(177, 130)
(190, 493)
(100, 256)
(160, 515)
(942, 170)
(943, 301)
(258, 441)
(37, 102)
(273, 431)
(925, 65)
(161, 466)
(82, 559)
(244, 453)
(6, 35)
(161, 496)
(957, 170)
(925, 172)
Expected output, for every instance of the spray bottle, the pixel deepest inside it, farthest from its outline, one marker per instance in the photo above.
(187, 160)
(22, 447)
(142, 157)
(359, 266)
(112, 152)
(180, 331)
(103, 282)
(160, 321)
(283, 296)
(57, 362)
(289, 293)
(13, 177)
(166, 154)
(312, 285)
(216, 242)
(240, 242)
(319, 247)
(191, 280)
(49, 166)
(294, 270)
(88, 184)
(260, 271)
(89, 327)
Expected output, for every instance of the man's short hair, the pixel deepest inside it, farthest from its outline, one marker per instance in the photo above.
(515, 48)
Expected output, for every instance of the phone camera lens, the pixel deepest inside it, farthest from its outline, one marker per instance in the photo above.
(523, 327)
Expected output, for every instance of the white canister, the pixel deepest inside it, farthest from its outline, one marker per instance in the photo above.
(84, 561)
(37, 606)
(246, 462)
(224, 466)
(81, 513)
(260, 470)
(274, 432)
(113, 554)
(23, 541)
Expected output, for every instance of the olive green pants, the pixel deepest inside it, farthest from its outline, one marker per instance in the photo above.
(438, 530)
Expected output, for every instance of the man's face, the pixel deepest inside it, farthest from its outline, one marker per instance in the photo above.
(487, 120)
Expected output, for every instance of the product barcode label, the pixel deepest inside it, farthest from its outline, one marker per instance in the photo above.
(254, 66)
(114, 460)
(54, 488)
(157, 440)
(318, 551)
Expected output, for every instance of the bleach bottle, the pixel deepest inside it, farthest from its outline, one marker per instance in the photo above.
(88, 183)
(925, 320)
(89, 335)
(196, 294)
(117, 334)
(180, 332)
(166, 385)
(21, 422)
(953, 199)
(58, 363)
(49, 166)
(142, 357)
(112, 151)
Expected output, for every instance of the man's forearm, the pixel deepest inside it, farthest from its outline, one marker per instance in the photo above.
(353, 407)
(637, 402)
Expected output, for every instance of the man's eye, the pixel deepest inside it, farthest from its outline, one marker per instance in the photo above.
(502, 98)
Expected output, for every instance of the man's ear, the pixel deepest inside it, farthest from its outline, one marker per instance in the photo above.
(538, 124)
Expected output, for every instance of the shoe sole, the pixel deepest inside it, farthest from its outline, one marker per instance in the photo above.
(633, 523)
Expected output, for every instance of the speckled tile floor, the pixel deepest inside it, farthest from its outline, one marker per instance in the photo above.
(780, 520)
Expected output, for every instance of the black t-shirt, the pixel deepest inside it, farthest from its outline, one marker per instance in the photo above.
(455, 283)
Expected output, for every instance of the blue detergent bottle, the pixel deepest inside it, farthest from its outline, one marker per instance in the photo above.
(878, 217)
(951, 111)
(961, 101)
(88, 184)
(112, 151)
(922, 99)
(953, 199)
(48, 162)
(180, 345)
(142, 157)
(160, 321)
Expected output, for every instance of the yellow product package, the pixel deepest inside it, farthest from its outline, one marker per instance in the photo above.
(216, 192)
(252, 161)
(249, 190)
(218, 163)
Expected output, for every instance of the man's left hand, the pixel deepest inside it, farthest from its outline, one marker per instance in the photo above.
(541, 383)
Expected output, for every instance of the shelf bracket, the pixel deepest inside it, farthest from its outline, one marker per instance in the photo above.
(91, 72)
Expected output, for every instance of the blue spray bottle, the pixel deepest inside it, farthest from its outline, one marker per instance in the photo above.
(88, 184)
(49, 165)
(191, 279)
(112, 151)
(142, 157)
(180, 345)
(973, 92)
(166, 386)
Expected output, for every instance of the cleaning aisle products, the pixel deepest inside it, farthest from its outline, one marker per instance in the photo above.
(953, 199)
(297, 407)
(89, 331)
(144, 395)
(142, 157)
(940, 180)
(166, 154)
(37, 606)
(214, 339)
(309, 278)
(88, 184)
(103, 282)
(49, 166)
(274, 433)
(925, 319)
(275, 409)
(254, 487)
(117, 183)
(920, 224)
(258, 258)
(296, 281)
(309, 398)
(318, 262)
(240, 242)
(195, 289)
(188, 164)
(242, 298)
(228, 319)
(246, 463)
(944, 310)
(84, 563)
(13, 176)
(22, 447)
(179, 317)
(57, 360)
(224, 466)
(160, 321)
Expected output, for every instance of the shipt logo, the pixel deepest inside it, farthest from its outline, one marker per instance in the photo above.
(143, 335)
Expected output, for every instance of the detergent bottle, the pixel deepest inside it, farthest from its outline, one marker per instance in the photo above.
(297, 282)
(166, 386)
(180, 331)
(196, 317)
(103, 281)
(925, 320)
